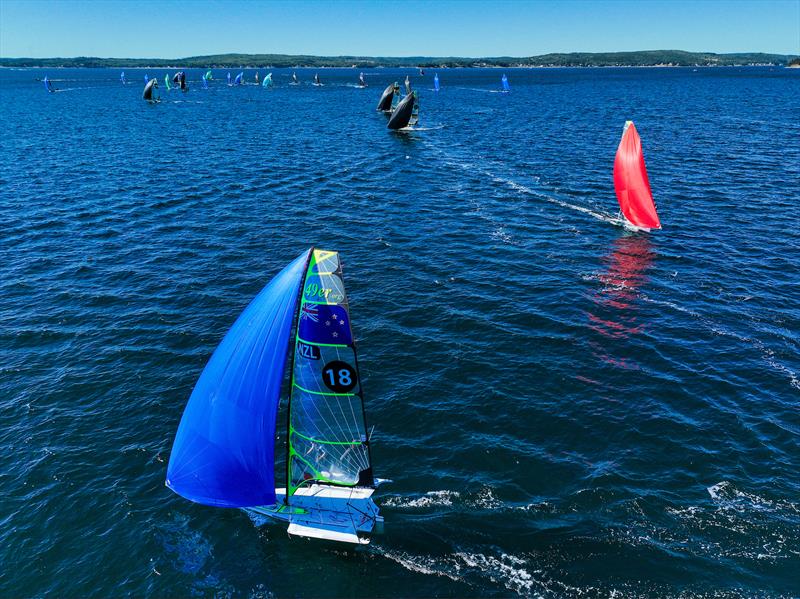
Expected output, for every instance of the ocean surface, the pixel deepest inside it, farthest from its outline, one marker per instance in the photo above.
(565, 408)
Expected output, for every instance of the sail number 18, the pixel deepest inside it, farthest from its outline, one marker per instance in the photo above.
(339, 376)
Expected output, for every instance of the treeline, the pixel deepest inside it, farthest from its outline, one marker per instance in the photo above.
(572, 59)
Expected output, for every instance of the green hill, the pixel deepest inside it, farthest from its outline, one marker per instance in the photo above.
(572, 59)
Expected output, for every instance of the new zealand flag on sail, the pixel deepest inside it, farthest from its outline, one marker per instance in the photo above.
(321, 323)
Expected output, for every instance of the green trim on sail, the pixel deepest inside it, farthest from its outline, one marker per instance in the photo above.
(296, 386)
(294, 432)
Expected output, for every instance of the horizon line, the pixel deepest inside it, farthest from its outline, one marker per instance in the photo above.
(406, 57)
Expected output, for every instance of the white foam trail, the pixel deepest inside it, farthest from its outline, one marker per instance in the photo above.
(608, 218)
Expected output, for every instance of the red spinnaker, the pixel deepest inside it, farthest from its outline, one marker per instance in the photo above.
(630, 181)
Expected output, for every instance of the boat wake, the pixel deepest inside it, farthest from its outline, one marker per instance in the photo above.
(524, 189)
(414, 128)
(470, 568)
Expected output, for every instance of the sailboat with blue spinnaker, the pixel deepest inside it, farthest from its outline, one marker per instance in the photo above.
(224, 450)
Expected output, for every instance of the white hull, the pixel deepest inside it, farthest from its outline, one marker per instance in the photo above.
(343, 514)
(623, 222)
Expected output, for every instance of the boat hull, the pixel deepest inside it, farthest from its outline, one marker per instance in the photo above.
(342, 514)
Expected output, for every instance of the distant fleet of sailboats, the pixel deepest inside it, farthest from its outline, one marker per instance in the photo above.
(637, 208)
(224, 450)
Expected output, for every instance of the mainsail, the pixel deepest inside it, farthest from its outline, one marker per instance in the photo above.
(316, 79)
(208, 75)
(239, 77)
(146, 78)
(267, 80)
(166, 82)
(223, 454)
(385, 103)
(405, 113)
(122, 78)
(47, 85)
(631, 182)
(504, 81)
(361, 82)
(436, 82)
(229, 78)
(408, 85)
(294, 78)
(327, 429)
(149, 92)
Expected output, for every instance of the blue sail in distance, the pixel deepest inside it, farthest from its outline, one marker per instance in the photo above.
(436, 82)
(224, 450)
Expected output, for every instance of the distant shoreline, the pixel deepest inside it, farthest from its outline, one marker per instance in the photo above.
(264, 67)
(644, 58)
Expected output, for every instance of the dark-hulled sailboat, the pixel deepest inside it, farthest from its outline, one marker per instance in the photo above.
(406, 114)
(385, 103)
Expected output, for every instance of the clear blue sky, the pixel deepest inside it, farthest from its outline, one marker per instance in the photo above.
(179, 28)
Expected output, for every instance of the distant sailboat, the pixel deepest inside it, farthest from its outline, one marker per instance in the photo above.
(421, 72)
(504, 81)
(166, 82)
(146, 78)
(406, 114)
(317, 82)
(179, 79)
(48, 85)
(209, 77)
(436, 82)
(361, 82)
(229, 78)
(224, 450)
(150, 94)
(239, 77)
(267, 80)
(205, 82)
(387, 98)
(632, 185)
(408, 85)
(257, 80)
(294, 79)
(122, 78)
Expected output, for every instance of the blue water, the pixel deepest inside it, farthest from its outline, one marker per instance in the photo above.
(565, 408)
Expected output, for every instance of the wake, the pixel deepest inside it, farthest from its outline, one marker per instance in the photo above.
(524, 189)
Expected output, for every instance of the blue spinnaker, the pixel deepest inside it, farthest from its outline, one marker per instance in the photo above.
(238, 80)
(223, 454)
